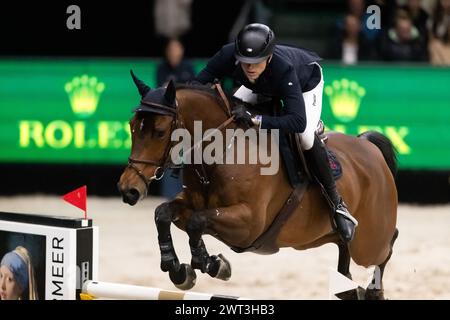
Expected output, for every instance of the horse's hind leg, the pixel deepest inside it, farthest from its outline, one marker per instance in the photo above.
(344, 269)
(375, 289)
(182, 275)
(230, 223)
(215, 266)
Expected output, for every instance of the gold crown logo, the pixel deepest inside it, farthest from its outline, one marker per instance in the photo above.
(84, 93)
(345, 98)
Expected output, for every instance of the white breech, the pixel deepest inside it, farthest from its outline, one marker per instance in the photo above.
(313, 108)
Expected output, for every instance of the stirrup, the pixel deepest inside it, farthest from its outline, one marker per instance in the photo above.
(342, 210)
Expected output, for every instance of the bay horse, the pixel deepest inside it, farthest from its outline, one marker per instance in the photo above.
(237, 205)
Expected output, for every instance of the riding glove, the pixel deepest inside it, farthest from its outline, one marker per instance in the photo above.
(242, 116)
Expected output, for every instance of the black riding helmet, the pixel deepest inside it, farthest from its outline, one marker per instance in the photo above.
(254, 43)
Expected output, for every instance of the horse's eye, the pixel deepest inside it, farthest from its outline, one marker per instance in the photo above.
(159, 133)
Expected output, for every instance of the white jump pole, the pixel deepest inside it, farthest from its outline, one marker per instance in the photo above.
(107, 290)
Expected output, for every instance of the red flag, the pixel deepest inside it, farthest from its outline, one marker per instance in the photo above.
(77, 198)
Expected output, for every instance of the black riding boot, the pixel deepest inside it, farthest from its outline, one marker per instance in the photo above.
(317, 159)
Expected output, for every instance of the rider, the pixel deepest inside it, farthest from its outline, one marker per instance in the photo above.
(293, 75)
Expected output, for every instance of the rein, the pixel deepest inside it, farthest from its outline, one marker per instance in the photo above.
(203, 176)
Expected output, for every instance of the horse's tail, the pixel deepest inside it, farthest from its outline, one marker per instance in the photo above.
(385, 145)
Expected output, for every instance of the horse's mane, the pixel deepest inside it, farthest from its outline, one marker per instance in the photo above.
(207, 90)
(261, 108)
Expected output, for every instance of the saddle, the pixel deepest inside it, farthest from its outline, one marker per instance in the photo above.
(334, 163)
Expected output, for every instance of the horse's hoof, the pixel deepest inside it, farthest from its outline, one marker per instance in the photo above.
(169, 264)
(348, 295)
(374, 294)
(185, 278)
(355, 294)
(224, 269)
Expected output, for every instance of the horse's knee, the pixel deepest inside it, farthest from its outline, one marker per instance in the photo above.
(196, 225)
(163, 214)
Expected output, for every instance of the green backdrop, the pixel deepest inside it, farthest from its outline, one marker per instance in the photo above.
(77, 111)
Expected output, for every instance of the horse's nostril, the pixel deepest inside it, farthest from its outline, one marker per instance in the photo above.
(134, 193)
(131, 196)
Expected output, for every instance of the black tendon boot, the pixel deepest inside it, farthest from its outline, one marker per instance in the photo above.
(317, 159)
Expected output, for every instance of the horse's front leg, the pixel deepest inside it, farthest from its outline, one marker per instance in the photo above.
(231, 218)
(182, 275)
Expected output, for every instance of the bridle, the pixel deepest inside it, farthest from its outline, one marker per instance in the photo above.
(163, 163)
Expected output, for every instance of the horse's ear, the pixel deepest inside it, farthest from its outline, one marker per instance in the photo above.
(142, 87)
(170, 92)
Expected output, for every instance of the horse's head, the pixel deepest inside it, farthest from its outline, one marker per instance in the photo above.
(151, 128)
